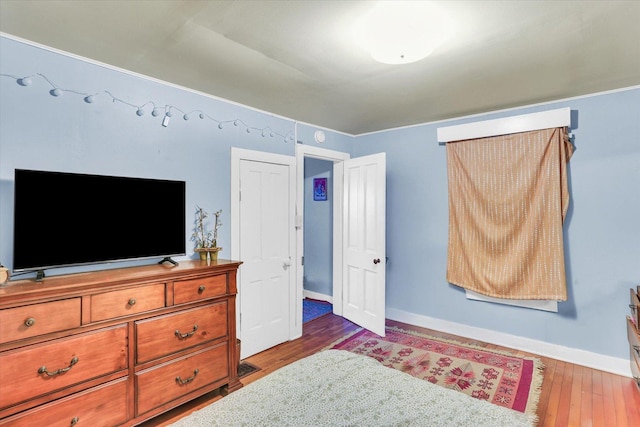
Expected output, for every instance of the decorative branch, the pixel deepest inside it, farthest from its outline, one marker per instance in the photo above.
(200, 236)
(216, 226)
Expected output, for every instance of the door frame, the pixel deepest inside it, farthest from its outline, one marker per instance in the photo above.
(337, 157)
(238, 155)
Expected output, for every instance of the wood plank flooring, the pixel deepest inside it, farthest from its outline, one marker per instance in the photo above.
(572, 395)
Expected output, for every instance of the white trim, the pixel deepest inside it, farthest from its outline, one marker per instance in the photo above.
(321, 153)
(122, 70)
(544, 305)
(338, 234)
(505, 110)
(506, 125)
(134, 74)
(317, 296)
(155, 80)
(576, 356)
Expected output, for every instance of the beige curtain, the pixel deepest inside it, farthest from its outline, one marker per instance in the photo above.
(508, 197)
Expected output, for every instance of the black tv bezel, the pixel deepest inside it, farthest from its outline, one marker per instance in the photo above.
(163, 256)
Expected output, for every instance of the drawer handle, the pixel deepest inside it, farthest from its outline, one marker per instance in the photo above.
(186, 334)
(132, 301)
(201, 289)
(43, 370)
(637, 349)
(74, 421)
(187, 380)
(29, 322)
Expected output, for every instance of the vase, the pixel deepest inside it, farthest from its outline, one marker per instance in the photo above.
(208, 254)
(203, 253)
(213, 253)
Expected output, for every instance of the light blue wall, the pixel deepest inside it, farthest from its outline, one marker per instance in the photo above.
(602, 229)
(40, 131)
(318, 229)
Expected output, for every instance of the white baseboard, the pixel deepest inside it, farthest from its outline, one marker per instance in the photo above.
(589, 359)
(317, 296)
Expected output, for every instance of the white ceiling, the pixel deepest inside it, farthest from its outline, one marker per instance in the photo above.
(297, 59)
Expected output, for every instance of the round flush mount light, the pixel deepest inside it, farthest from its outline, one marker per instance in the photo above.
(319, 136)
(402, 32)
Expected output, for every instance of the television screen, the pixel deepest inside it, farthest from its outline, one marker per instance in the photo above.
(64, 219)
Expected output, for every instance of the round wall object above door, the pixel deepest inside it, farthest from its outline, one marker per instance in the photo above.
(319, 136)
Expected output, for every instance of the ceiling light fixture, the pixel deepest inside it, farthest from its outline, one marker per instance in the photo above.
(401, 32)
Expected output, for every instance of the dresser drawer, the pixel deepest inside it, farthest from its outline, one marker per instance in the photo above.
(38, 319)
(165, 383)
(174, 332)
(634, 306)
(43, 368)
(634, 350)
(102, 406)
(635, 367)
(633, 338)
(197, 289)
(126, 302)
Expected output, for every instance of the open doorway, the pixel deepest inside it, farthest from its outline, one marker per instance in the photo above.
(354, 294)
(359, 205)
(317, 279)
(321, 163)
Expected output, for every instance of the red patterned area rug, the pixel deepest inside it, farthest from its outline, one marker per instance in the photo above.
(497, 377)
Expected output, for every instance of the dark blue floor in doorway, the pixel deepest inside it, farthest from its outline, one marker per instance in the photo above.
(312, 309)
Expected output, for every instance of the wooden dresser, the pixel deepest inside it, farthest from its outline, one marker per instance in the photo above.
(116, 347)
(633, 333)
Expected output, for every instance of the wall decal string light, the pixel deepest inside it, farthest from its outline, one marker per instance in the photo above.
(167, 111)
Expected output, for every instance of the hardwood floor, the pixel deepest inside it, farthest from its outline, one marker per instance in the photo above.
(572, 395)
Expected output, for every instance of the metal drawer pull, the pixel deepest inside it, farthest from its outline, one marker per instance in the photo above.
(43, 369)
(186, 334)
(637, 349)
(74, 421)
(29, 322)
(132, 301)
(187, 380)
(201, 289)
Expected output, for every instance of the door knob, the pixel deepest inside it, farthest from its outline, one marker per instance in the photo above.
(286, 263)
(376, 261)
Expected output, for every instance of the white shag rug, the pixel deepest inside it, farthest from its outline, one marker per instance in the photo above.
(340, 388)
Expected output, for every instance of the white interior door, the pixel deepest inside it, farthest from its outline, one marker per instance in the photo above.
(364, 242)
(266, 248)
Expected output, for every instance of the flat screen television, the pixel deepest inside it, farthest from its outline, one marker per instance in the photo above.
(66, 219)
